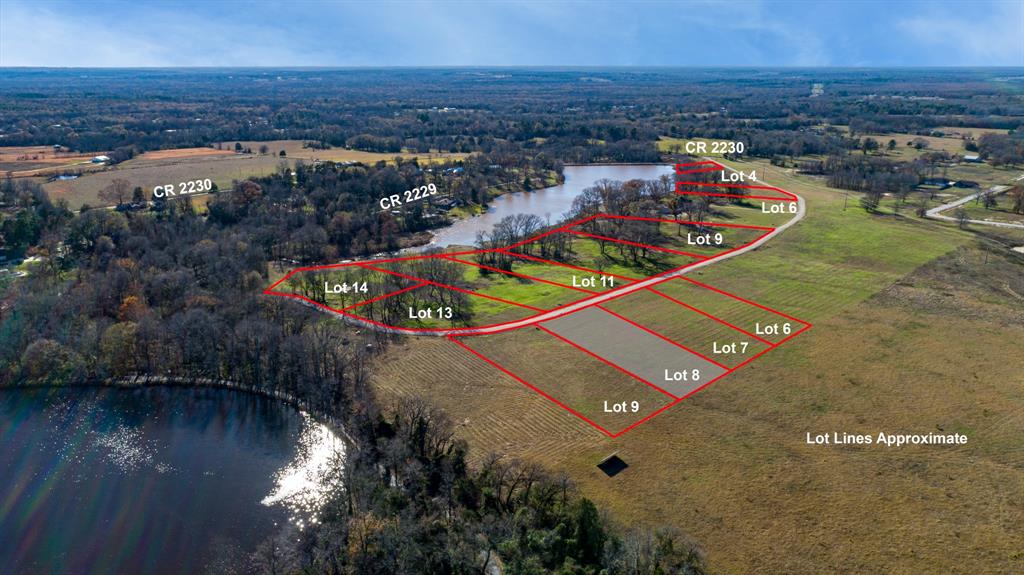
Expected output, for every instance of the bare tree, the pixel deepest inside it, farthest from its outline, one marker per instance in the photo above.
(117, 192)
(961, 218)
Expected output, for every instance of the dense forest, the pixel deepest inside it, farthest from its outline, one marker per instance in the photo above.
(176, 294)
(572, 115)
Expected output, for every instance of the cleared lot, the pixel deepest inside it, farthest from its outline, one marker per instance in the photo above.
(586, 386)
(642, 352)
(700, 332)
(754, 319)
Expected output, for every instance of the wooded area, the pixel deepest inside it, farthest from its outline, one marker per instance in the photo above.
(170, 291)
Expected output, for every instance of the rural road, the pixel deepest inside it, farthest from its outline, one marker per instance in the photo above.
(936, 213)
(606, 296)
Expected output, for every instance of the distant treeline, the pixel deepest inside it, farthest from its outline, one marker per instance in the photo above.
(570, 115)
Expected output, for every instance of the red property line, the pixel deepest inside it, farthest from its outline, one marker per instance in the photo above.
(680, 222)
(280, 281)
(644, 419)
(698, 170)
(737, 367)
(363, 263)
(789, 197)
(700, 163)
(656, 334)
(512, 273)
(549, 232)
(736, 297)
(730, 185)
(446, 286)
(527, 384)
(542, 260)
(595, 356)
(706, 314)
(387, 295)
(651, 415)
(379, 324)
(627, 242)
(712, 195)
(469, 330)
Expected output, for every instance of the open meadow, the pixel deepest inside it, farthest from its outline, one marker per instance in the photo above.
(27, 161)
(222, 166)
(297, 149)
(917, 327)
(148, 171)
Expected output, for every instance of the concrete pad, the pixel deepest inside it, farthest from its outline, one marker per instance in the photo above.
(637, 351)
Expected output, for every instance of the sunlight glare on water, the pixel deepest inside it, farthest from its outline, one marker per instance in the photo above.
(303, 485)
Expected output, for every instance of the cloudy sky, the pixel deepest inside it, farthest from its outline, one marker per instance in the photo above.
(523, 33)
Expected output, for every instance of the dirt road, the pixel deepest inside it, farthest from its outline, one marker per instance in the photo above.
(936, 213)
(606, 296)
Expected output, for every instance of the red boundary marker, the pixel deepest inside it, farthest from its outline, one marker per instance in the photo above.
(454, 334)
(658, 335)
(553, 262)
(706, 314)
(370, 264)
(512, 273)
(541, 327)
(567, 228)
(769, 346)
(736, 297)
(453, 288)
(387, 295)
(789, 197)
(551, 398)
(637, 244)
(499, 367)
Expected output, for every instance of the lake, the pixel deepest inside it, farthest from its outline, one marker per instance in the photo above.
(152, 480)
(547, 203)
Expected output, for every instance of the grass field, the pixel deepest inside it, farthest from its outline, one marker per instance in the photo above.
(587, 252)
(25, 161)
(294, 149)
(163, 167)
(915, 330)
(159, 155)
(553, 366)
(1002, 212)
(689, 326)
(149, 172)
(956, 131)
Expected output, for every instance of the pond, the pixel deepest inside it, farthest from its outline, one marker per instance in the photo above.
(546, 203)
(152, 480)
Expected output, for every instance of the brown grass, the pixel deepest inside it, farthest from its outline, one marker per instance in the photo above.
(183, 153)
(148, 173)
(936, 351)
(295, 149)
(957, 132)
(580, 381)
(25, 161)
(686, 326)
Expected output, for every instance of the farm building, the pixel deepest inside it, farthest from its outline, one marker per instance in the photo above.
(941, 183)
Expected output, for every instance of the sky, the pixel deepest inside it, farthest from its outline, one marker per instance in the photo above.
(522, 33)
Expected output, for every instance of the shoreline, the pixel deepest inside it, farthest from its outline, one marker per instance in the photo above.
(142, 381)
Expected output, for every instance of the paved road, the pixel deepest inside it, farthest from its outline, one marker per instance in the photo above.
(936, 213)
(627, 289)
